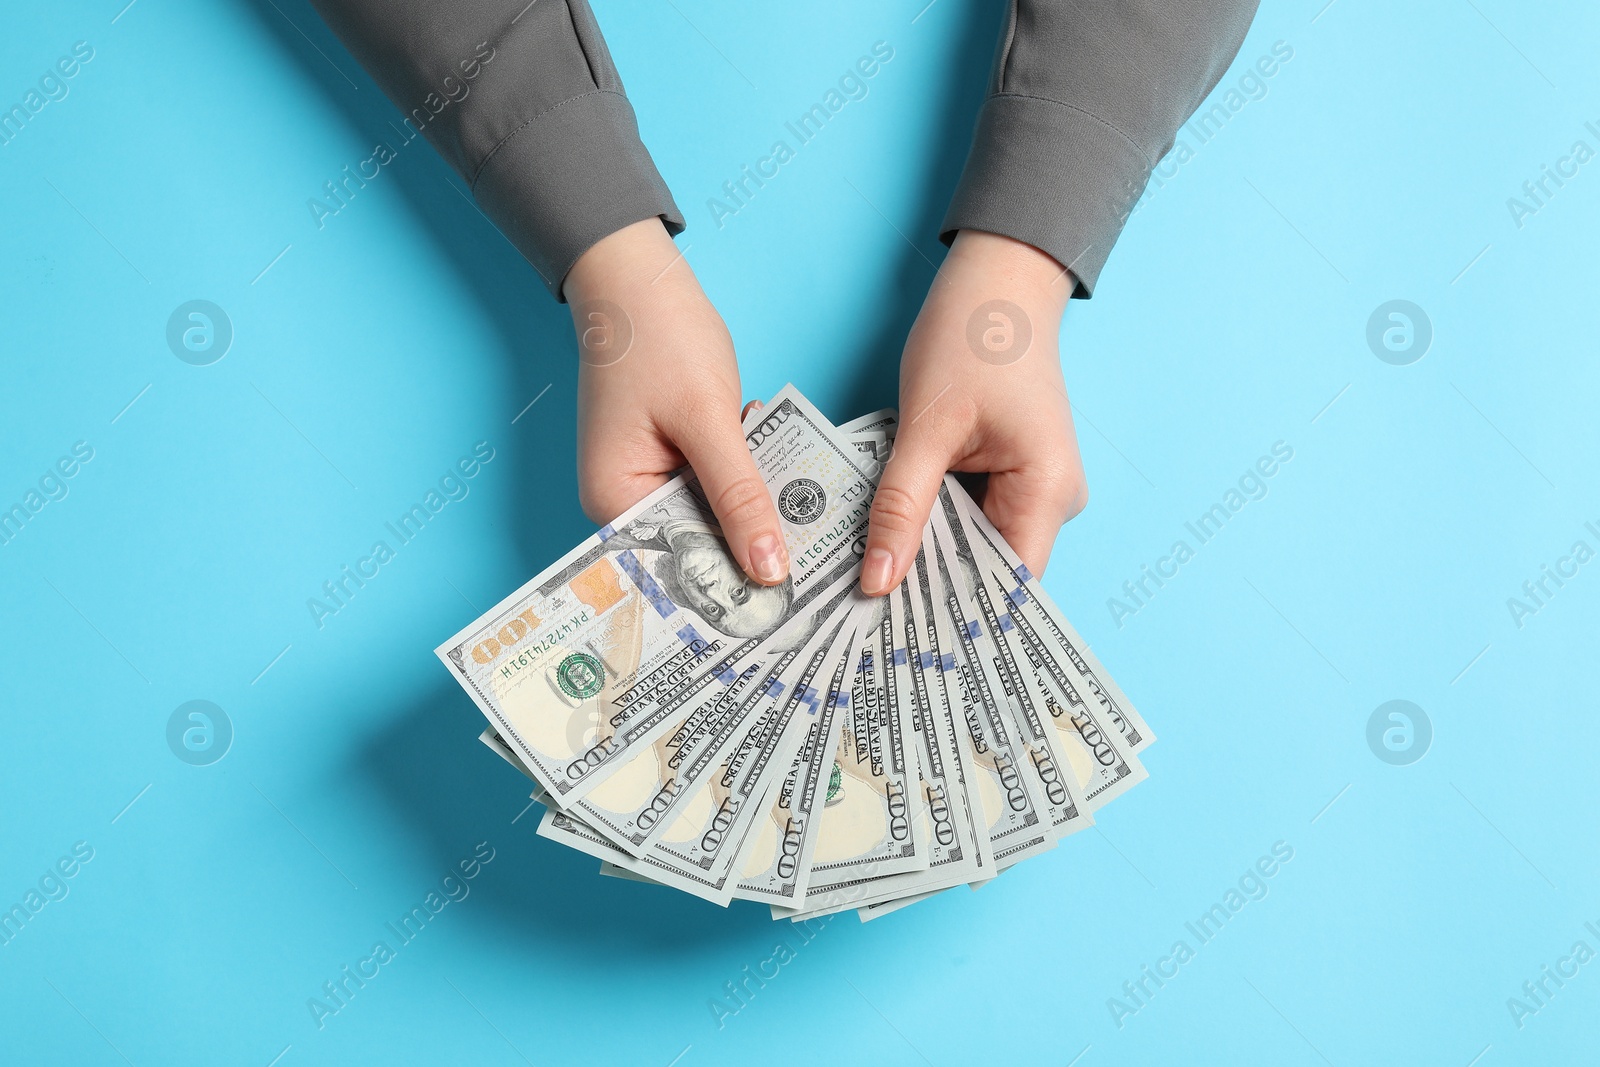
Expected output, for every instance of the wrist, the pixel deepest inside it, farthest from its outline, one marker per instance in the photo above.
(634, 255)
(1011, 266)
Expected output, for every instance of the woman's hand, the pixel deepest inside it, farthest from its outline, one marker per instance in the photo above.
(981, 391)
(658, 388)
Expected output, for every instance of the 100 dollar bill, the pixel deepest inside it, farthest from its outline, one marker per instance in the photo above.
(959, 849)
(872, 822)
(1006, 798)
(1022, 589)
(1100, 755)
(795, 814)
(634, 806)
(982, 632)
(586, 665)
(701, 849)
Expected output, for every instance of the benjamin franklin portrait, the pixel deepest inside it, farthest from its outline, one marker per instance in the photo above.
(696, 571)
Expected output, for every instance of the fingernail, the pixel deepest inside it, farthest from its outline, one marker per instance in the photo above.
(768, 559)
(875, 570)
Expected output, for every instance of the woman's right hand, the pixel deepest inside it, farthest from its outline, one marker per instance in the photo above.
(658, 388)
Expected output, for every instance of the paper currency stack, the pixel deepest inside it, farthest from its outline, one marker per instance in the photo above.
(801, 745)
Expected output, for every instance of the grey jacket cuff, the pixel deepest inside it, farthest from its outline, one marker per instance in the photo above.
(571, 175)
(1052, 176)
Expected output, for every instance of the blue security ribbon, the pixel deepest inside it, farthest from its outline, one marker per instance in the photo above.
(647, 584)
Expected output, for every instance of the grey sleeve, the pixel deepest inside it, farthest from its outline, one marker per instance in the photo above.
(524, 102)
(1086, 97)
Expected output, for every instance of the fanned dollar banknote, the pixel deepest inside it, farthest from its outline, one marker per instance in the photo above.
(800, 745)
(587, 665)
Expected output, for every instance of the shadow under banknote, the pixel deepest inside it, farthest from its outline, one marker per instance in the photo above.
(445, 792)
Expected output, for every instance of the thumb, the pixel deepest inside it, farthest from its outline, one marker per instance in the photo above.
(900, 507)
(739, 499)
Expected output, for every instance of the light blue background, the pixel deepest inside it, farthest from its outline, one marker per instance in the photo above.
(378, 350)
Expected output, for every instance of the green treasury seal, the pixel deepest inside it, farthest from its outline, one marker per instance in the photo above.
(835, 784)
(581, 676)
